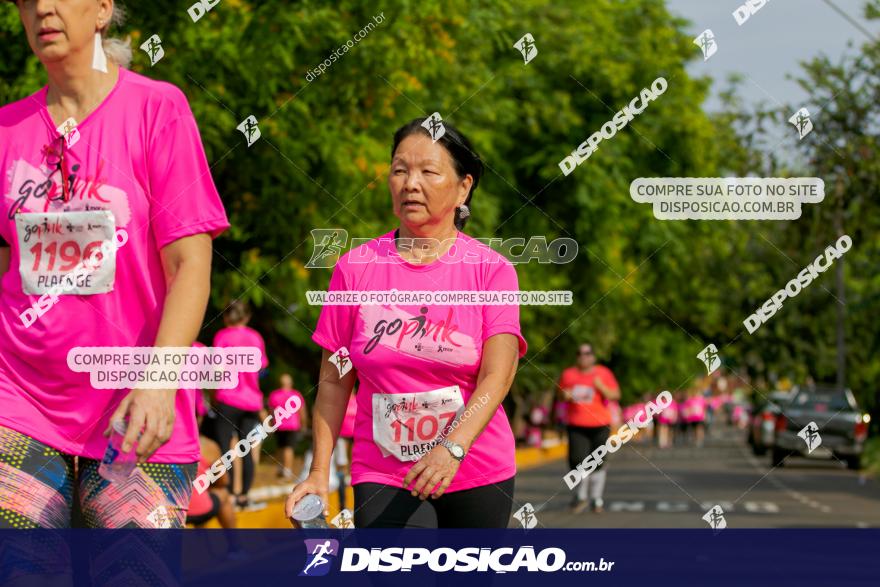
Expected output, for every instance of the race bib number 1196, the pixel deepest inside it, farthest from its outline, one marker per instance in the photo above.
(52, 245)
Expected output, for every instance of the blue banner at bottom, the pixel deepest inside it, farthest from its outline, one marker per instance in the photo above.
(249, 558)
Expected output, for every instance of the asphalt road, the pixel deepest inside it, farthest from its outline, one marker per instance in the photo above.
(673, 488)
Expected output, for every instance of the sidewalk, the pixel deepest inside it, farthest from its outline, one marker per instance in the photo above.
(275, 494)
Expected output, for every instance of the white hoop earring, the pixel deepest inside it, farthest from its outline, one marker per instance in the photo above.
(99, 58)
(463, 211)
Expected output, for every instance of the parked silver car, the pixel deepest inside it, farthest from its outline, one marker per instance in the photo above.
(763, 425)
(830, 425)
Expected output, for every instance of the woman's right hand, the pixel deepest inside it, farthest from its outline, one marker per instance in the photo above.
(317, 483)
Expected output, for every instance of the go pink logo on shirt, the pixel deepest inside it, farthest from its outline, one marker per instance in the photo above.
(35, 190)
(418, 336)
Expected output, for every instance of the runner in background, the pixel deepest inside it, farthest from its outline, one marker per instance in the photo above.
(560, 416)
(666, 422)
(290, 430)
(681, 436)
(649, 432)
(238, 408)
(217, 501)
(538, 417)
(697, 418)
(587, 388)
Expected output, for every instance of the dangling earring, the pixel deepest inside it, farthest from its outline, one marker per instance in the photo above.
(463, 211)
(99, 58)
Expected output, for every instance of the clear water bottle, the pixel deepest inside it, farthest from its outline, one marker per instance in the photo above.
(309, 513)
(117, 465)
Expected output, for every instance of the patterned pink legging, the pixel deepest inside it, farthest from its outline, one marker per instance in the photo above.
(37, 490)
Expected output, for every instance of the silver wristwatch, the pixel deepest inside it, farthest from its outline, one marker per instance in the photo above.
(456, 450)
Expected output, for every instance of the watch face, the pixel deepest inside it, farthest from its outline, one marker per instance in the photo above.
(457, 451)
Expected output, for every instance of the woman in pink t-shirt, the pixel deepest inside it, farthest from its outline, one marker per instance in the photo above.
(98, 151)
(432, 372)
(666, 421)
(238, 408)
(289, 430)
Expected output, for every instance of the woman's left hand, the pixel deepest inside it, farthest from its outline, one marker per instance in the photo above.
(150, 409)
(436, 467)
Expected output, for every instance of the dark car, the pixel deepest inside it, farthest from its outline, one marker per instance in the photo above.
(829, 418)
(763, 425)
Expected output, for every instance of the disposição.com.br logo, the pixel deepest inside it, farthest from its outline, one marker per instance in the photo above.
(321, 552)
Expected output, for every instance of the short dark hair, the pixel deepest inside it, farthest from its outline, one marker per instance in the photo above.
(237, 311)
(464, 157)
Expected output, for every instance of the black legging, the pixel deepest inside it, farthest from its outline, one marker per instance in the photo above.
(233, 421)
(583, 440)
(385, 506)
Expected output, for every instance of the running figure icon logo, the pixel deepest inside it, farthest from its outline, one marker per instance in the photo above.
(153, 48)
(329, 243)
(710, 358)
(68, 130)
(434, 125)
(810, 434)
(343, 520)
(801, 121)
(249, 128)
(526, 46)
(715, 518)
(526, 516)
(706, 42)
(342, 361)
(159, 517)
(319, 554)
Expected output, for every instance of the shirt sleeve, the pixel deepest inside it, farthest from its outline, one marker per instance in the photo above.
(503, 319)
(609, 379)
(183, 198)
(265, 362)
(336, 323)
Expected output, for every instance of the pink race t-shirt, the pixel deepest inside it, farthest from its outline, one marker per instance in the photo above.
(201, 410)
(414, 348)
(138, 156)
(246, 395)
(278, 398)
(347, 430)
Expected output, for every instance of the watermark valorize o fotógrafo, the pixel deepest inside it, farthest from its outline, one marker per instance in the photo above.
(804, 278)
(636, 106)
(449, 297)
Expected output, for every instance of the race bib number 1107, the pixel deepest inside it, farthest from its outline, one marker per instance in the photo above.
(406, 425)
